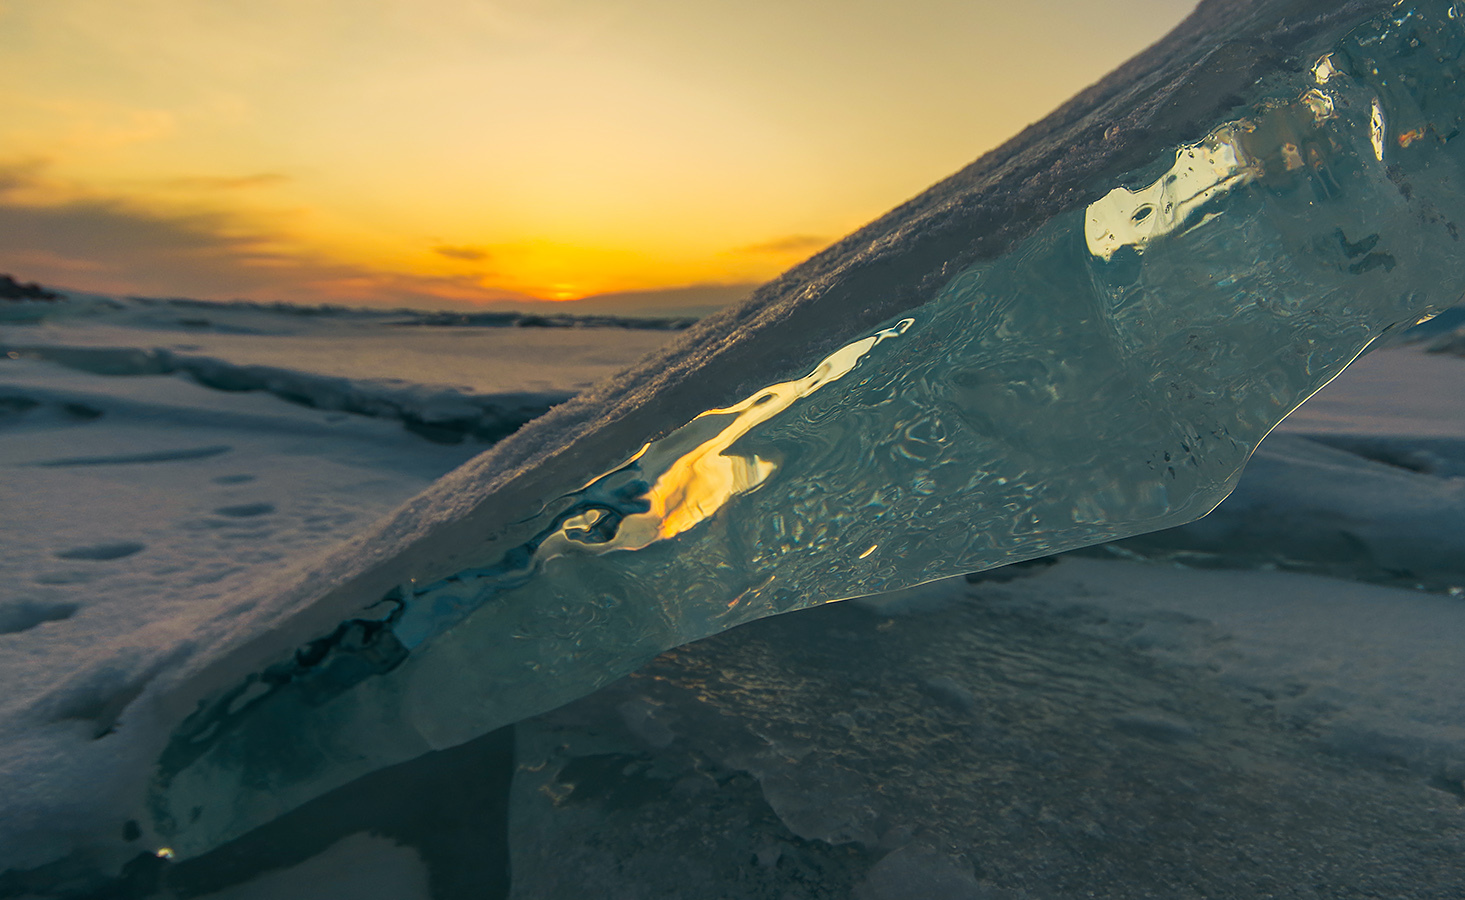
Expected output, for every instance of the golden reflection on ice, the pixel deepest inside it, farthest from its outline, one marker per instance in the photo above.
(1376, 129)
(1202, 172)
(1283, 139)
(1320, 104)
(693, 484)
(1323, 70)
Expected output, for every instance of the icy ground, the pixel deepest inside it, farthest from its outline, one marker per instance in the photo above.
(1264, 703)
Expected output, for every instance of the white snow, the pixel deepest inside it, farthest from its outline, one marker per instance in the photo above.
(1373, 671)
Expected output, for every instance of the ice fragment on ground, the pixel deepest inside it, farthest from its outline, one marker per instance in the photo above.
(1081, 337)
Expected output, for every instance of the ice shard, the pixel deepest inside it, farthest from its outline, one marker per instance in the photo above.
(1080, 337)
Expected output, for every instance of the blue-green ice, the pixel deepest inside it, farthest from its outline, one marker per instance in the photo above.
(1106, 376)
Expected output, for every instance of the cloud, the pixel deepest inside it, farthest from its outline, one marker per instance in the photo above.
(464, 253)
(112, 231)
(68, 237)
(788, 244)
(20, 174)
(228, 183)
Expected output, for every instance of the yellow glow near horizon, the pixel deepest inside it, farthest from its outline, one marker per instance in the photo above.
(442, 151)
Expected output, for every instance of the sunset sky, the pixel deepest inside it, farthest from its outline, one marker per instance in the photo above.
(433, 152)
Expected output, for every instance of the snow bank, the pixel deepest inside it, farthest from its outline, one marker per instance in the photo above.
(445, 384)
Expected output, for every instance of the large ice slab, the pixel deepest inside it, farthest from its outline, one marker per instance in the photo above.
(1080, 337)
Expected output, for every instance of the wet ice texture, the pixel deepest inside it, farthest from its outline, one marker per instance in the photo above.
(1108, 376)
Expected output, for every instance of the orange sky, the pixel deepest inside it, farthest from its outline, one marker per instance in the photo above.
(432, 152)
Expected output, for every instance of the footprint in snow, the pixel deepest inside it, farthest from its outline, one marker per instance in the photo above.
(102, 552)
(72, 577)
(27, 614)
(246, 510)
(134, 458)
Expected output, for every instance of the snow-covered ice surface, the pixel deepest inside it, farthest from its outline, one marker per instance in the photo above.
(138, 499)
(137, 508)
(472, 360)
(442, 380)
(1098, 727)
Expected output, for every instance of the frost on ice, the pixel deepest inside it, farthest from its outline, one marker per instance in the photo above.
(1082, 337)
